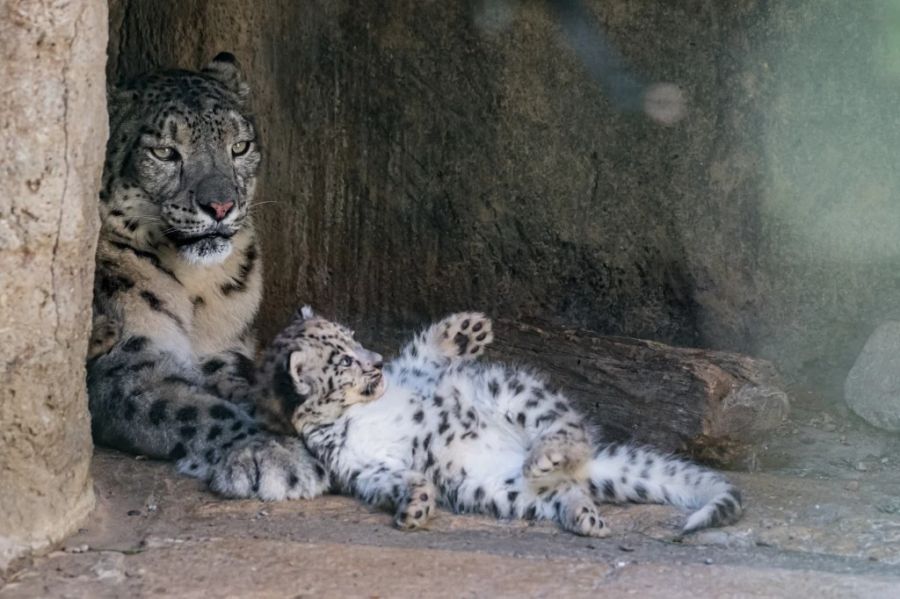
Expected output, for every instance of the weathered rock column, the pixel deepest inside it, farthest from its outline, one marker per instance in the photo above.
(53, 129)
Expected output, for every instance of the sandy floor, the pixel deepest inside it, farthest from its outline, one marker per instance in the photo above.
(823, 520)
(828, 528)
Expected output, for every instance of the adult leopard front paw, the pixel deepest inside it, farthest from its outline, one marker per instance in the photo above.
(463, 335)
(271, 469)
(417, 508)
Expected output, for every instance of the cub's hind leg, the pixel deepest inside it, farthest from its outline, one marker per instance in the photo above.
(569, 504)
(576, 512)
(558, 440)
(408, 492)
(417, 506)
(558, 452)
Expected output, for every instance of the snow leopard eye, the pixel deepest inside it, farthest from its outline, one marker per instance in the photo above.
(240, 148)
(346, 361)
(164, 153)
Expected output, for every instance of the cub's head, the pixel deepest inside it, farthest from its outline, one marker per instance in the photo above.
(314, 371)
(181, 160)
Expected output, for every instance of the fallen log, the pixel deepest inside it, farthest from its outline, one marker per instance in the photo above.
(715, 406)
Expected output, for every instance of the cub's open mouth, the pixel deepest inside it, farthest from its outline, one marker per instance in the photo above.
(374, 386)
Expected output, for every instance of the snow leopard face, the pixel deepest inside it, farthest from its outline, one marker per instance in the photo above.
(313, 371)
(182, 160)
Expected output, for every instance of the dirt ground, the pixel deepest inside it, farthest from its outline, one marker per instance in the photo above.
(823, 519)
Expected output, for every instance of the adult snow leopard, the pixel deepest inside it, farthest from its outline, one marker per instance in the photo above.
(470, 436)
(177, 286)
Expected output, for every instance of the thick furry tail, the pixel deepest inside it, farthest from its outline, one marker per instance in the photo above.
(630, 473)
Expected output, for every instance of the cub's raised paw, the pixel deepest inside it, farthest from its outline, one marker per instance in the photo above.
(555, 455)
(417, 508)
(271, 469)
(464, 335)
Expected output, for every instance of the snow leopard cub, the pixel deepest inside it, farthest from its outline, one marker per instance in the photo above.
(436, 427)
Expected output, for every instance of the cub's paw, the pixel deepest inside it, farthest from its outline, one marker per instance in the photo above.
(586, 521)
(555, 455)
(417, 508)
(271, 469)
(463, 335)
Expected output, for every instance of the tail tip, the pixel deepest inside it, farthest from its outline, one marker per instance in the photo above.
(721, 511)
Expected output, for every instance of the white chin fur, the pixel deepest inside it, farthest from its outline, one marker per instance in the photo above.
(207, 252)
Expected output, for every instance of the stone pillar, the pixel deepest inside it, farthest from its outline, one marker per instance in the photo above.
(53, 129)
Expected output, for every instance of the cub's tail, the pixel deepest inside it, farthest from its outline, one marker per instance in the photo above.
(621, 473)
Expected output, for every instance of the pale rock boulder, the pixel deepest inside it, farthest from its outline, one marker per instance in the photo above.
(872, 389)
(53, 130)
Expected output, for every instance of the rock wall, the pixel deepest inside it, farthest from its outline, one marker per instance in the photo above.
(53, 129)
(419, 161)
(428, 156)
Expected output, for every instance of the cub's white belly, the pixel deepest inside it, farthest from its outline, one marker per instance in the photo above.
(379, 430)
(384, 431)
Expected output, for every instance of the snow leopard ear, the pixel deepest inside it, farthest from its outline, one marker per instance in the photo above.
(116, 95)
(306, 313)
(291, 385)
(302, 383)
(225, 69)
(118, 98)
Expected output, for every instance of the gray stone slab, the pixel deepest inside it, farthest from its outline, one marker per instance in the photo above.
(872, 389)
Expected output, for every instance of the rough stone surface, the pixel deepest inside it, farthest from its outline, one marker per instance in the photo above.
(158, 534)
(872, 389)
(430, 156)
(52, 138)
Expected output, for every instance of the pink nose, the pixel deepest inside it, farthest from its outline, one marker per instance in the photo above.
(220, 209)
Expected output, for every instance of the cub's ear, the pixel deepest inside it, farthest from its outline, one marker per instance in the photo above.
(225, 69)
(302, 383)
(306, 313)
(291, 385)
